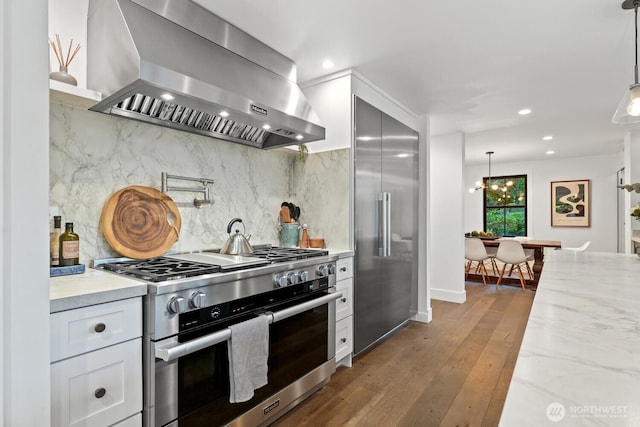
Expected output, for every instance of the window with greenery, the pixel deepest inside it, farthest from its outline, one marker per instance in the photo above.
(505, 205)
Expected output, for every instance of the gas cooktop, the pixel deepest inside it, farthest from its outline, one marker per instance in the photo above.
(277, 254)
(160, 269)
(180, 266)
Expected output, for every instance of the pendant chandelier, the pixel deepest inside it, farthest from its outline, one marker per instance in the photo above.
(628, 110)
(487, 182)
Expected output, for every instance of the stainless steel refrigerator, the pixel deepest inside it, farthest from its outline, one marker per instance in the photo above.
(386, 224)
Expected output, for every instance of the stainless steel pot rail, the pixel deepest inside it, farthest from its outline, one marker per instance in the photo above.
(173, 352)
(204, 189)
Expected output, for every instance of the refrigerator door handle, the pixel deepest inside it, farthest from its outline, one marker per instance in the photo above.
(387, 232)
(381, 225)
(384, 224)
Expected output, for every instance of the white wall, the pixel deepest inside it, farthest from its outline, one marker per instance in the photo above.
(445, 205)
(424, 312)
(601, 170)
(24, 287)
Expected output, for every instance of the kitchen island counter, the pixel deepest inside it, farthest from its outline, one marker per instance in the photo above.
(89, 288)
(578, 362)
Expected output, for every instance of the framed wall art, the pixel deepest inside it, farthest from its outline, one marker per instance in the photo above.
(570, 203)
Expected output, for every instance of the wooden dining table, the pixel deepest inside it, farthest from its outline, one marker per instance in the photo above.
(538, 247)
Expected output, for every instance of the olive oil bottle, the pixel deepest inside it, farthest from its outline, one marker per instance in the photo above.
(69, 246)
(54, 244)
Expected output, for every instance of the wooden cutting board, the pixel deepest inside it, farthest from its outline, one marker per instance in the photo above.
(140, 222)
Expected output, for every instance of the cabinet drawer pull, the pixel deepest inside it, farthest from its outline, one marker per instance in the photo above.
(99, 393)
(100, 327)
(343, 269)
(343, 299)
(343, 340)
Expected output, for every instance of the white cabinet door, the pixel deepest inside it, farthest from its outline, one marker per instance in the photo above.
(344, 338)
(135, 421)
(98, 388)
(77, 331)
(344, 268)
(344, 305)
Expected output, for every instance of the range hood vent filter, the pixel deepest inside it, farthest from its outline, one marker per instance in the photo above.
(150, 109)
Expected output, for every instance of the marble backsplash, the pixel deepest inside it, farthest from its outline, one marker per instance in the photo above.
(321, 184)
(92, 155)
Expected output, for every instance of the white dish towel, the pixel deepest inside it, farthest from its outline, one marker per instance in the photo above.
(248, 354)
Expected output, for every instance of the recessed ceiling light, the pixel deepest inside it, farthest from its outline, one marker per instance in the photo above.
(327, 64)
(550, 152)
(299, 137)
(403, 155)
(166, 96)
(547, 137)
(224, 114)
(266, 126)
(524, 111)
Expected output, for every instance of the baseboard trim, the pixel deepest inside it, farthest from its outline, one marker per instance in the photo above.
(423, 317)
(450, 296)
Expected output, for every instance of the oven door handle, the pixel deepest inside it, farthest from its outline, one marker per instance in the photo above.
(173, 352)
(300, 308)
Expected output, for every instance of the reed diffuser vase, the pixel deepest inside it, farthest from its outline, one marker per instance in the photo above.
(63, 75)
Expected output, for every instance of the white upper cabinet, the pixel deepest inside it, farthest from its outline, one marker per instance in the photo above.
(331, 97)
(331, 101)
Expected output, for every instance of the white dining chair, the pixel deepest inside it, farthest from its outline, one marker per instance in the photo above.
(492, 251)
(578, 249)
(511, 253)
(529, 252)
(474, 251)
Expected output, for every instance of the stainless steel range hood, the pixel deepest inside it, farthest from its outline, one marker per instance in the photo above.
(174, 64)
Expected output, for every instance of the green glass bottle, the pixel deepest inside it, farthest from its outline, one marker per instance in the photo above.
(54, 244)
(69, 246)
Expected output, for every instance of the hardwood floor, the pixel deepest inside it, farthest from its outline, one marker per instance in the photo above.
(454, 371)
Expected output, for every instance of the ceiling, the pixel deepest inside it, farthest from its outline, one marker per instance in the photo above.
(470, 65)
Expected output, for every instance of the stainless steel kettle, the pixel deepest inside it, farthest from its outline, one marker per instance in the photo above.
(236, 244)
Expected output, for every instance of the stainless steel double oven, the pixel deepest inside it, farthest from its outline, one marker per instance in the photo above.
(186, 333)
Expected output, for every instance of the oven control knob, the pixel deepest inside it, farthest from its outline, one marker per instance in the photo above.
(215, 312)
(323, 271)
(332, 269)
(303, 275)
(176, 305)
(293, 278)
(281, 281)
(197, 300)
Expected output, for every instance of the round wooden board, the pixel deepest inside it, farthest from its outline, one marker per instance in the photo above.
(140, 222)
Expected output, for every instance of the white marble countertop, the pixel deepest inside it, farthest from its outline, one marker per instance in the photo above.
(342, 253)
(579, 363)
(91, 287)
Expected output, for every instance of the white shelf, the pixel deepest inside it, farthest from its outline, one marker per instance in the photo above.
(72, 95)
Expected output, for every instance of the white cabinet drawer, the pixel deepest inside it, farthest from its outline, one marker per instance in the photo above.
(135, 421)
(344, 268)
(99, 388)
(85, 329)
(344, 305)
(344, 338)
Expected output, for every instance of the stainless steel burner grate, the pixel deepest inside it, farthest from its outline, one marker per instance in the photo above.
(160, 269)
